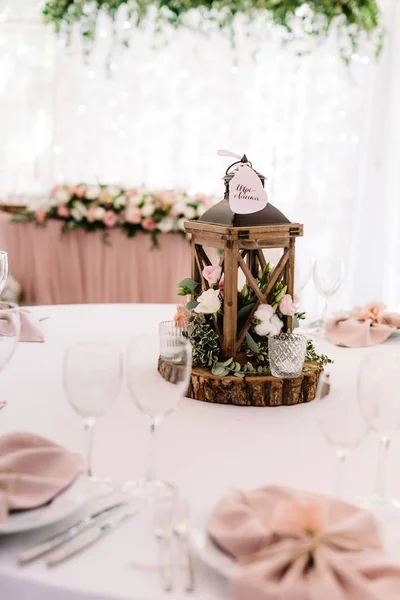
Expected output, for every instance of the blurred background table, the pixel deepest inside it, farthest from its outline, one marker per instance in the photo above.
(78, 267)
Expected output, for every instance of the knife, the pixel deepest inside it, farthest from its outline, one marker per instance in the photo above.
(89, 538)
(66, 535)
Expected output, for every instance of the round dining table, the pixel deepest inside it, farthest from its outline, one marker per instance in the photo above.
(203, 449)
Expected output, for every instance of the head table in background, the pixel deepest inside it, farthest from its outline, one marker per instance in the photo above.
(77, 267)
(204, 449)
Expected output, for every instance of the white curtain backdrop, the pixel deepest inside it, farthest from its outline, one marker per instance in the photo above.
(326, 136)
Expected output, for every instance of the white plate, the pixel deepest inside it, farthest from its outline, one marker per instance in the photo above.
(64, 505)
(205, 549)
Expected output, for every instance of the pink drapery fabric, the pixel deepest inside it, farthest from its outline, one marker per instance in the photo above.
(77, 267)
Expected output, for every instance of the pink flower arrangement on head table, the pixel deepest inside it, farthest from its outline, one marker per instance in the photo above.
(102, 207)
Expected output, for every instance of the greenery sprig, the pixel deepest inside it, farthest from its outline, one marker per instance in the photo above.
(353, 18)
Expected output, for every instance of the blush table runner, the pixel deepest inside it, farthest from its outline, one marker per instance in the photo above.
(77, 267)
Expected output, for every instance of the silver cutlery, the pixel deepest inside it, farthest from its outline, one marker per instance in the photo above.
(68, 534)
(181, 532)
(90, 537)
(163, 533)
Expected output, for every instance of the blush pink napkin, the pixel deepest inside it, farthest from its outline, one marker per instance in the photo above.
(354, 333)
(292, 545)
(33, 470)
(30, 327)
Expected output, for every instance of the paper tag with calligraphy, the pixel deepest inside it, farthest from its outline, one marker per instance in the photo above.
(246, 193)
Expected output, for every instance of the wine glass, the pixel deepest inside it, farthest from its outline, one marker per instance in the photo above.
(92, 381)
(327, 276)
(10, 327)
(379, 399)
(3, 270)
(303, 269)
(341, 423)
(156, 398)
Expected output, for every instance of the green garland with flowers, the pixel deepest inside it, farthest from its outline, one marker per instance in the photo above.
(197, 318)
(353, 18)
(105, 207)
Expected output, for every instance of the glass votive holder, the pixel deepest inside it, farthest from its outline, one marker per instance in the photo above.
(287, 352)
(171, 341)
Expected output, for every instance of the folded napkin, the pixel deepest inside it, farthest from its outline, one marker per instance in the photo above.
(33, 471)
(292, 545)
(364, 326)
(30, 327)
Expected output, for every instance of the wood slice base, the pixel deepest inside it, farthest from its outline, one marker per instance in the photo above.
(262, 390)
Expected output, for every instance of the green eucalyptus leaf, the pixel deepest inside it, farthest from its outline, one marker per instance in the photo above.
(251, 344)
(244, 312)
(192, 304)
(228, 362)
(240, 375)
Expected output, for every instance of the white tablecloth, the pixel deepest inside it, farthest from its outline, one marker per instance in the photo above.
(204, 449)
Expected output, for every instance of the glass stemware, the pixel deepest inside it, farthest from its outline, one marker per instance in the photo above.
(328, 276)
(156, 398)
(3, 270)
(341, 423)
(10, 327)
(92, 381)
(379, 400)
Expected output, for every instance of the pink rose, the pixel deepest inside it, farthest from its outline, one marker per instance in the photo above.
(164, 199)
(212, 274)
(149, 224)
(203, 199)
(40, 216)
(78, 190)
(373, 311)
(133, 215)
(63, 211)
(181, 316)
(221, 285)
(54, 190)
(91, 214)
(131, 193)
(110, 219)
(287, 306)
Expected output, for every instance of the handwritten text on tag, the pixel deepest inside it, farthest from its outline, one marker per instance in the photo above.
(246, 193)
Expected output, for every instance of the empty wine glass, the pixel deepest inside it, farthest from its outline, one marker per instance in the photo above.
(3, 270)
(341, 423)
(328, 277)
(156, 398)
(379, 399)
(9, 334)
(303, 269)
(92, 381)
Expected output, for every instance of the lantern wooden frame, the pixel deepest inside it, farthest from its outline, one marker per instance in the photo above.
(242, 248)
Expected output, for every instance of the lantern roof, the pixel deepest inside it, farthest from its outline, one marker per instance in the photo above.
(221, 213)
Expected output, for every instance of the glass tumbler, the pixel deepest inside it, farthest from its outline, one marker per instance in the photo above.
(287, 352)
(170, 341)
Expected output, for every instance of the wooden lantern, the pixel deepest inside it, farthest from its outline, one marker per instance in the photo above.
(240, 240)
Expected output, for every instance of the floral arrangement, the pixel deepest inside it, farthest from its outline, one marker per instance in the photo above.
(102, 207)
(197, 318)
(313, 18)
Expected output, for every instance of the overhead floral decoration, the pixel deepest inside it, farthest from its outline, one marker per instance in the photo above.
(102, 208)
(355, 20)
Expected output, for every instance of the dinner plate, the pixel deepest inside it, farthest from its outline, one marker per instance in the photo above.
(63, 506)
(202, 545)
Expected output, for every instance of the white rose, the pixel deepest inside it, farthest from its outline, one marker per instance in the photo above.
(120, 201)
(92, 192)
(147, 210)
(190, 212)
(209, 302)
(62, 195)
(180, 224)
(180, 208)
(166, 225)
(98, 213)
(76, 215)
(270, 322)
(113, 190)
